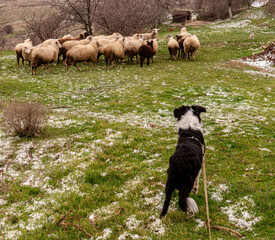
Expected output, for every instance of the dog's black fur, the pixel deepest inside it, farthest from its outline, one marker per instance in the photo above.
(185, 164)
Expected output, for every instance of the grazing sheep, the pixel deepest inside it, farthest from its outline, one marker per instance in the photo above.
(19, 48)
(191, 45)
(173, 47)
(44, 55)
(114, 52)
(71, 43)
(82, 53)
(146, 51)
(152, 35)
(131, 47)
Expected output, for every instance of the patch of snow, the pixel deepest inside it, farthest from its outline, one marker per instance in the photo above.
(259, 3)
(238, 24)
(217, 195)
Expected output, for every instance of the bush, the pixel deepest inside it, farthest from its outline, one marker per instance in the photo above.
(8, 29)
(24, 119)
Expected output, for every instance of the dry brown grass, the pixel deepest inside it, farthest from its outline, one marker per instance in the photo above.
(24, 119)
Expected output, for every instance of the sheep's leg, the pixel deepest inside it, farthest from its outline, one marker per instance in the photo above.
(87, 65)
(183, 194)
(23, 62)
(18, 59)
(169, 189)
(179, 55)
(148, 60)
(68, 68)
(195, 188)
(141, 61)
(50, 67)
(77, 67)
(193, 56)
(170, 51)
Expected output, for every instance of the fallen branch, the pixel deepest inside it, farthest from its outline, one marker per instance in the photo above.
(259, 174)
(61, 219)
(226, 229)
(80, 228)
(57, 107)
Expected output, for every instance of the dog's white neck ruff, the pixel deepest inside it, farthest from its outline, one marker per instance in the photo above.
(189, 120)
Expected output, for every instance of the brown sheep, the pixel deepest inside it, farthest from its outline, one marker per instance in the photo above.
(146, 51)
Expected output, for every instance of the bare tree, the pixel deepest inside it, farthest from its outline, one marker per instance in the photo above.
(129, 16)
(78, 11)
(2, 36)
(46, 24)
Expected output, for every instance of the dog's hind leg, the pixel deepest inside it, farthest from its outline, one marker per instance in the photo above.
(169, 189)
(195, 188)
(186, 203)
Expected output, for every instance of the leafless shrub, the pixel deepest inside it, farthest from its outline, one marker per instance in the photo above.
(8, 29)
(2, 36)
(130, 16)
(47, 24)
(24, 119)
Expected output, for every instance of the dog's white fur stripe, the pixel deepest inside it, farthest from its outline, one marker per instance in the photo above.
(192, 205)
(189, 120)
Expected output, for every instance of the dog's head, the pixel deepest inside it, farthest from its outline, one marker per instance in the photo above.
(189, 117)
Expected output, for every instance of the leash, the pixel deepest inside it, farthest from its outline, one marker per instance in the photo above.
(205, 190)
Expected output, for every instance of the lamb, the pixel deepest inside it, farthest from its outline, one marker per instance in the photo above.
(131, 47)
(173, 47)
(44, 55)
(191, 45)
(82, 53)
(146, 51)
(152, 35)
(114, 51)
(18, 49)
(71, 43)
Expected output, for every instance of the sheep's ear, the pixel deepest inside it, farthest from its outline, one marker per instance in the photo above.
(179, 111)
(198, 109)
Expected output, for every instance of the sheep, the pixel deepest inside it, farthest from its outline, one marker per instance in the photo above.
(44, 55)
(103, 43)
(114, 51)
(191, 45)
(113, 36)
(71, 43)
(155, 48)
(82, 53)
(152, 35)
(146, 51)
(180, 38)
(18, 49)
(131, 47)
(173, 47)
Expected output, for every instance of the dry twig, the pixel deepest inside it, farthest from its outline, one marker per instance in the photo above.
(226, 229)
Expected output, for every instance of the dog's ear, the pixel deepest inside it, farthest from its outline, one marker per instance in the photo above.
(179, 111)
(198, 109)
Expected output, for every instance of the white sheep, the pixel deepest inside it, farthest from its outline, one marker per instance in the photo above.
(71, 43)
(82, 53)
(173, 47)
(113, 36)
(183, 30)
(19, 48)
(132, 46)
(191, 45)
(114, 52)
(44, 55)
(155, 48)
(152, 35)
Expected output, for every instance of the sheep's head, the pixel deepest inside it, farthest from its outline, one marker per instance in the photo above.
(27, 50)
(183, 29)
(155, 30)
(57, 43)
(150, 43)
(28, 40)
(179, 37)
(90, 38)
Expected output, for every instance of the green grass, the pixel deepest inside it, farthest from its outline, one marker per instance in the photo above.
(105, 153)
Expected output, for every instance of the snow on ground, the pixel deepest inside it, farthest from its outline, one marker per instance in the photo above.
(235, 24)
(259, 3)
(241, 213)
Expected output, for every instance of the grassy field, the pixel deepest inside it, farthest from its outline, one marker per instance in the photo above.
(100, 167)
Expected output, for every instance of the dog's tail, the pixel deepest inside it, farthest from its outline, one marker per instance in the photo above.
(192, 205)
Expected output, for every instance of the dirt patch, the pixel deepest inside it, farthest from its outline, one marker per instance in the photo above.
(264, 58)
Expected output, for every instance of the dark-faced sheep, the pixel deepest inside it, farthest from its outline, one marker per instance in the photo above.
(146, 51)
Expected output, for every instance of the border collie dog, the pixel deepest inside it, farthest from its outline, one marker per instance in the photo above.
(185, 164)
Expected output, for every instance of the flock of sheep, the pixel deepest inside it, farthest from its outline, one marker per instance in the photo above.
(114, 47)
